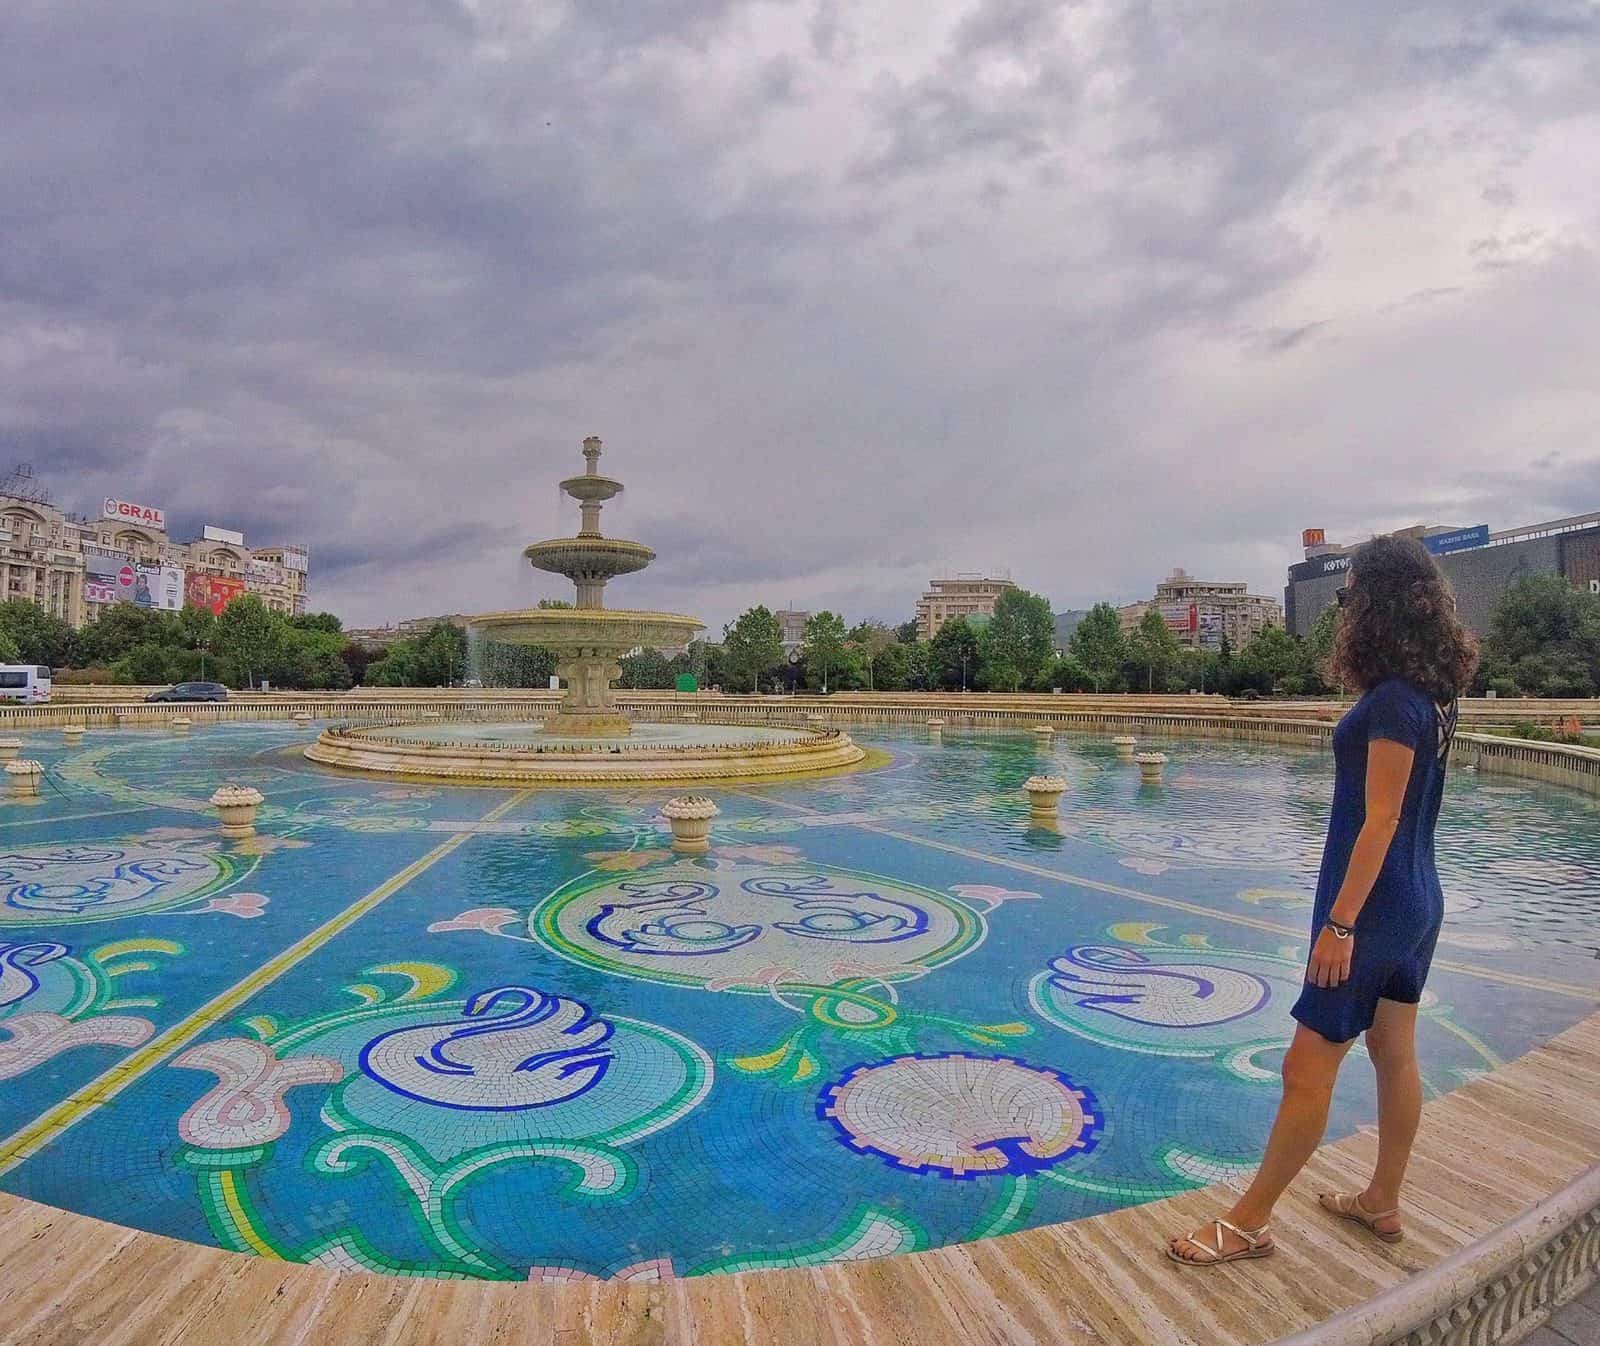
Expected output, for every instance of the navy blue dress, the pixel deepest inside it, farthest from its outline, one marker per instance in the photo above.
(1399, 925)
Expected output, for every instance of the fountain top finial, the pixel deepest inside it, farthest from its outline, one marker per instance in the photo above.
(591, 453)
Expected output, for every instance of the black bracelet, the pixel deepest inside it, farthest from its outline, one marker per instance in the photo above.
(1343, 931)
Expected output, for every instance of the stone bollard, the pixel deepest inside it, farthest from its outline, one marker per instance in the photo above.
(691, 715)
(301, 718)
(10, 749)
(690, 816)
(1124, 744)
(25, 775)
(1044, 732)
(432, 715)
(237, 805)
(180, 724)
(1150, 764)
(73, 733)
(1044, 795)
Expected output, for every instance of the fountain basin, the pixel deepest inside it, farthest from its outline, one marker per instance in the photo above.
(525, 754)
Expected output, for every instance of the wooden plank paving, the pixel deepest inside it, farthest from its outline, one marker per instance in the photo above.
(1486, 1152)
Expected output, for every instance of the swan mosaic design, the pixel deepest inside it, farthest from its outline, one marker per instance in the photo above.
(831, 946)
(53, 1002)
(72, 884)
(431, 1093)
(1161, 997)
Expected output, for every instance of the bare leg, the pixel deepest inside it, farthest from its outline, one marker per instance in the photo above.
(1310, 1068)
(1392, 1045)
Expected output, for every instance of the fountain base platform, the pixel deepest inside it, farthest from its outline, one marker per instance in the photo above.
(515, 753)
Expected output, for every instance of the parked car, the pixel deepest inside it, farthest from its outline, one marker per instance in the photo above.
(191, 691)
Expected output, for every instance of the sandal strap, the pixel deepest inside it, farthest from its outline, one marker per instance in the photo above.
(1353, 1205)
(1252, 1237)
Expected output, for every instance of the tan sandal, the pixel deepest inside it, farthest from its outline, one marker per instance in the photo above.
(1347, 1206)
(1257, 1243)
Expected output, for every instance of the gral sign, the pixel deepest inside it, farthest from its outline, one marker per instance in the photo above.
(125, 511)
(1442, 544)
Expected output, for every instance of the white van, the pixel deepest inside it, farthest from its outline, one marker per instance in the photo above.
(29, 683)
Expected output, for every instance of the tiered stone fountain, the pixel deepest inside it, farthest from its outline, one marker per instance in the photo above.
(588, 639)
(589, 739)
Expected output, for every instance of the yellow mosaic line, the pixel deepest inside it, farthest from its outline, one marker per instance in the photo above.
(46, 1127)
(1298, 933)
(73, 817)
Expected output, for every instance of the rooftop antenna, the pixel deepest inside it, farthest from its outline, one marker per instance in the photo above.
(21, 484)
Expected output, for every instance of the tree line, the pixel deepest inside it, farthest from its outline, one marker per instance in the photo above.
(1543, 641)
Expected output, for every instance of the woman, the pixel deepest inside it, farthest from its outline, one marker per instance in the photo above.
(1378, 905)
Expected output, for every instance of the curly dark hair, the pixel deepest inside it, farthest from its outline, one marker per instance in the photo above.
(1400, 621)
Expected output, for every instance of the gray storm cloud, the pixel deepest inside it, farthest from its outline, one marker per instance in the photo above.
(853, 293)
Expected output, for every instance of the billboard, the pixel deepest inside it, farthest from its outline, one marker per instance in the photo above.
(296, 559)
(1318, 568)
(1442, 544)
(212, 533)
(259, 574)
(125, 511)
(102, 566)
(95, 592)
(1211, 629)
(1313, 537)
(1180, 616)
(212, 592)
(159, 587)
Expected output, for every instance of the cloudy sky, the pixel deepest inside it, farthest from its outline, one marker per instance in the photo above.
(854, 293)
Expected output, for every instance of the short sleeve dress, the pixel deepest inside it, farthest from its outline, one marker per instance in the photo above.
(1399, 925)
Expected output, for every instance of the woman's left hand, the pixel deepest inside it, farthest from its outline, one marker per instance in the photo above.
(1330, 960)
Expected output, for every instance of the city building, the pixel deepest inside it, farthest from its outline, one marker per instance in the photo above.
(1066, 623)
(792, 622)
(968, 594)
(74, 566)
(412, 628)
(1480, 565)
(1202, 612)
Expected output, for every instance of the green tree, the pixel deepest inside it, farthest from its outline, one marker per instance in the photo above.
(891, 668)
(36, 636)
(824, 647)
(317, 621)
(1319, 645)
(1274, 661)
(9, 653)
(1545, 636)
(908, 633)
(647, 669)
(1154, 650)
(1020, 639)
(752, 646)
(954, 655)
(1100, 647)
(248, 632)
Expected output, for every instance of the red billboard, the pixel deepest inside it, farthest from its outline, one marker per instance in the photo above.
(1313, 537)
(211, 591)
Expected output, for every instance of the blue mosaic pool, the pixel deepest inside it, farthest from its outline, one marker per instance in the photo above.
(509, 1034)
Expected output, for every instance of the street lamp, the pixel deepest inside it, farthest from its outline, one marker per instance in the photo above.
(963, 670)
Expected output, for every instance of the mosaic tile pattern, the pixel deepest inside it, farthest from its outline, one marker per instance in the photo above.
(483, 1033)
